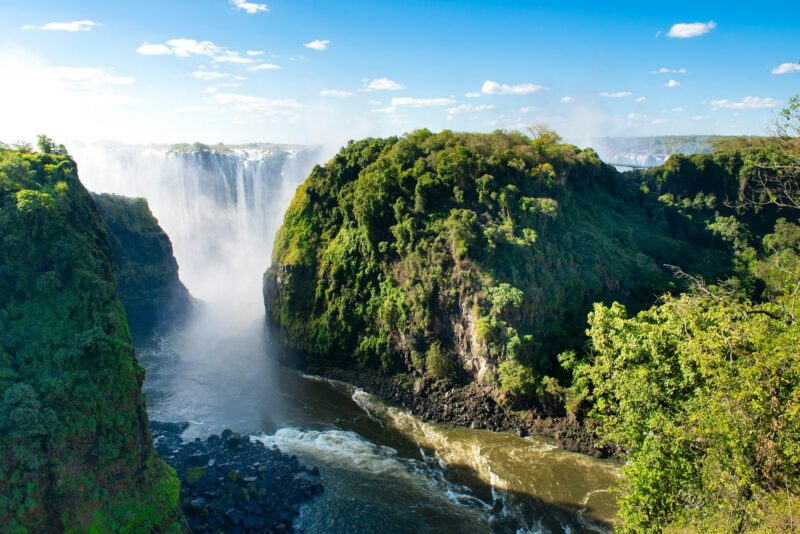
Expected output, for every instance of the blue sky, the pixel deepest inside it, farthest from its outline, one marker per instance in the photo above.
(325, 71)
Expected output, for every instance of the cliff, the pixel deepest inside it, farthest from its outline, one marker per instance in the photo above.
(469, 256)
(141, 252)
(75, 451)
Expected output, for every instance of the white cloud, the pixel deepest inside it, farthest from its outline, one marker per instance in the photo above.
(74, 26)
(317, 44)
(233, 57)
(672, 84)
(659, 121)
(335, 93)
(468, 108)
(699, 117)
(665, 70)
(390, 109)
(383, 84)
(528, 109)
(684, 30)
(493, 88)
(748, 102)
(785, 68)
(148, 49)
(249, 7)
(209, 75)
(189, 47)
(255, 52)
(619, 94)
(641, 99)
(257, 105)
(192, 47)
(677, 110)
(473, 94)
(211, 90)
(263, 66)
(567, 99)
(421, 102)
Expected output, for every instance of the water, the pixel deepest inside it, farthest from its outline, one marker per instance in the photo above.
(383, 469)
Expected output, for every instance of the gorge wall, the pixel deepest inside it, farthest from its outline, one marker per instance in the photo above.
(75, 451)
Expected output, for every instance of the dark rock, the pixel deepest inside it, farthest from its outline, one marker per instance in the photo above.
(230, 484)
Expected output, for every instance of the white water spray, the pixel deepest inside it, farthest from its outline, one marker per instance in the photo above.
(220, 207)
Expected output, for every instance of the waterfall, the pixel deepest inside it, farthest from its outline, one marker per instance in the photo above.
(221, 207)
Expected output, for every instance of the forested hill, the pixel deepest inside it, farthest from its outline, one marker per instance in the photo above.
(145, 267)
(470, 255)
(75, 452)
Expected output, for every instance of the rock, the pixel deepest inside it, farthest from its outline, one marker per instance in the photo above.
(241, 486)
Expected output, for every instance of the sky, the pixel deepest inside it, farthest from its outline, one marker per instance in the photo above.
(323, 72)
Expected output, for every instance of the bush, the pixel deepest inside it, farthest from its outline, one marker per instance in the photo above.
(440, 363)
(516, 379)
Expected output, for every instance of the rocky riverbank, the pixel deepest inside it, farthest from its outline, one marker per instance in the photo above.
(472, 406)
(231, 484)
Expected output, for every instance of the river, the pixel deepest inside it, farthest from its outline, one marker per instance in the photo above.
(383, 469)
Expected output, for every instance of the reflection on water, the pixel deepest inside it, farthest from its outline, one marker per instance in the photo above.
(384, 470)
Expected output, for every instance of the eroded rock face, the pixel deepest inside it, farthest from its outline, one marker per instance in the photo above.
(232, 484)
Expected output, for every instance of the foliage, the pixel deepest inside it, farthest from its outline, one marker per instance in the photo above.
(146, 270)
(493, 245)
(703, 390)
(74, 445)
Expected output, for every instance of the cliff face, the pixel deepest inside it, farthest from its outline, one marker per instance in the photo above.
(466, 254)
(147, 273)
(75, 451)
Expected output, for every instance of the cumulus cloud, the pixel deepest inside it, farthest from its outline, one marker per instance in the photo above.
(74, 26)
(619, 94)
(263, 66)
(665, 70)
(209, 75)
(493, 88)
(785, 68)
(335, 93)
(467, 108)
(148, 49)
(685, 30)
(255, 52)
(191, 47)
(748, 102)
(421, 102)
(383, 84)
(566, 99)
(317, 44)
(641, 99)
(249, 7)
(672, 84)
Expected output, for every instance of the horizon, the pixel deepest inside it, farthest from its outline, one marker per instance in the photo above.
(234, 71)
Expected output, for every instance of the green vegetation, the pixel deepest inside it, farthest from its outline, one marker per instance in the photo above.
(703, 390)
(478, 256)
(475, 250)
(147, 273)
(75, 452)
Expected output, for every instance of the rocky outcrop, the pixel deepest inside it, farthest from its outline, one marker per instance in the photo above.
(147, 272)
(232, 484)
